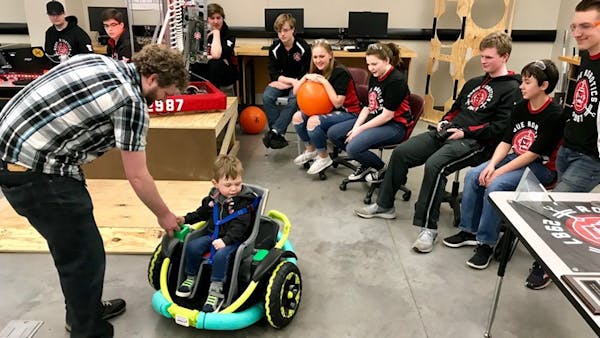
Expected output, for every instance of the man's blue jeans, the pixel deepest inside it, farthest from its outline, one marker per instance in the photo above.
(279, 117)
(60, 209)
(201, 245)
(477, 214)
(577, 172)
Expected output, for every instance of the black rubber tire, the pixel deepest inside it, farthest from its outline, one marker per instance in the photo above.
(306, 165)
(154, 267)
(343, 186)
(283, 294)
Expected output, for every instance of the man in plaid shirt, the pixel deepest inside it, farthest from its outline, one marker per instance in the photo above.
(70, 116)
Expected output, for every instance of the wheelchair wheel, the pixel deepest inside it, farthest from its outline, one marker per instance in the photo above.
(154, 267)
(406, 195)
(283, 294)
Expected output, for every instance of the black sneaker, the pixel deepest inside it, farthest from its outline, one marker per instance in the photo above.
(482, 257)
(360, 172)
(186, 287)
(278, 141)
(376, 176)
(110, 309)
(267, 139)
(538, 278)
(460, 239)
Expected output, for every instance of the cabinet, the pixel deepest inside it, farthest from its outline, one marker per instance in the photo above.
(571, 77)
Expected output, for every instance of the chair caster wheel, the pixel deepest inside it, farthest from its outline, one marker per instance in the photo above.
(406, 195)
(306, 165)
(343, 186)
(322, 176)
(367, 200)
(335, 165)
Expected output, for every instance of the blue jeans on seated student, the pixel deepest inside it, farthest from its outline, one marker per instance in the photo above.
(278, 118)
(201, 245)
(477, 215)
(577, 172)
(318, 136)
(358, 148)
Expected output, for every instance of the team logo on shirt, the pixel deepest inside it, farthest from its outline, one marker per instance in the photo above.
(523, 140)
(62, 47)
(585, 96)
(375, 100)
(297, 57)
(479, 97)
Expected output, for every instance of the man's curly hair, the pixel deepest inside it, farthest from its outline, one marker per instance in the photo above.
(166, 63)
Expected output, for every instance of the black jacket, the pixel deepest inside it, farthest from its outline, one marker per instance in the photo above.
(122, 49)
(236, 230)
(72, 40)
(483, 107)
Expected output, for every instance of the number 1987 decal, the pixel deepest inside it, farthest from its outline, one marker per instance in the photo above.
(168, 105)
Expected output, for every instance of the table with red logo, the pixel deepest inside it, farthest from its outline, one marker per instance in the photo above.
(562, 232)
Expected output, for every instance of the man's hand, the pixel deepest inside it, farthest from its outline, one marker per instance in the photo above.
(485, 175)
(456, 134)
(441, 124)
(169, 223)
(218, 244)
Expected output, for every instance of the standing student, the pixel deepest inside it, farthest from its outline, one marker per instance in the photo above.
(532, 136)
(466, 135)
(119, 42)
(70, 116)
(221, 68)
(384, 121)
(64, 38)
(341, 91)
(289, 60)
(578, 162)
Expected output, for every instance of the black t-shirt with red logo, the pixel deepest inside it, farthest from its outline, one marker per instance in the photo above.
(292, 63)
(341, 81)
(483, 107)
(581, 132)
(538, 131)
(390, 91)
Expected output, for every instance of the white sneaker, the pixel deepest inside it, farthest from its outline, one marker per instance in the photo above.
(376, 176)
(425, 240)
(374, 210)
(305, 157)
(319, 164)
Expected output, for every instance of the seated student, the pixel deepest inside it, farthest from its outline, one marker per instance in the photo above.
(384, 120)
(534, 133)
(64, 38)
(221, 68)
(119, 42)
(289, 60)
(341, 90)
(477, 119)
(577, 161)
(227, 196)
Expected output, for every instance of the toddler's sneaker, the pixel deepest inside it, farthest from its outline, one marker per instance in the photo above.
(185, 289)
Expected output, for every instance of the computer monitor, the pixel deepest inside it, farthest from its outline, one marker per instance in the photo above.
(367, 25)
(95, 17)
(271, 15)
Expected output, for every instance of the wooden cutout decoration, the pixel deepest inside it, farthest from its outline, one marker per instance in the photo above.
(463, 49)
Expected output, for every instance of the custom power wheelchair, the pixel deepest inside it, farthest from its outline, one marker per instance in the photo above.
(263, 277)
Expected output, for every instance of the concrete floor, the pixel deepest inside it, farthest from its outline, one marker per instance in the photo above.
(360, 277)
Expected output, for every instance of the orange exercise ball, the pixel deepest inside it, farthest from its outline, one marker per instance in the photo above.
(253, 120)
(312, 99)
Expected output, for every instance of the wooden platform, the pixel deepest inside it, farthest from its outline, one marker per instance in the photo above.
(125, 224)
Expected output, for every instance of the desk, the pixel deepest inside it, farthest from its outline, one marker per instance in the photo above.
(254, 71)
(543, 250)
(180, 147)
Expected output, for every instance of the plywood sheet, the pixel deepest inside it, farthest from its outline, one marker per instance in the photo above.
(125, 224)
